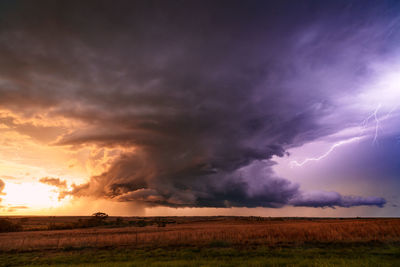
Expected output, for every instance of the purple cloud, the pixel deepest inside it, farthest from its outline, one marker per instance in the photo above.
(322, 199)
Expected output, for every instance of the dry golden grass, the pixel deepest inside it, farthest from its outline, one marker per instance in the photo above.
(233, 232)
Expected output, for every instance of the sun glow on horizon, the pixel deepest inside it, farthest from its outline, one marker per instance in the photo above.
(32, 195)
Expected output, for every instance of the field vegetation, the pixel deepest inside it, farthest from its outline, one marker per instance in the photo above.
(184, 241)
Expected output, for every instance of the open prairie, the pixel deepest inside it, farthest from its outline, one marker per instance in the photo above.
(185, 240)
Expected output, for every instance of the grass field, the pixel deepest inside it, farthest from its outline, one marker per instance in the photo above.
(207, 241)
(381, 255)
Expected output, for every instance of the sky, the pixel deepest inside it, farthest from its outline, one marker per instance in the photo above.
(154, 108)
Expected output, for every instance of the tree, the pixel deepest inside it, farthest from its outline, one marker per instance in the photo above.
(100, 216)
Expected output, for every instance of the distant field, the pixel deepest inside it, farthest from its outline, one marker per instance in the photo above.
(278, 241)
(203, 232)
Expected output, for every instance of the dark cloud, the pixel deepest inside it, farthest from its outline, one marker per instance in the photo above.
(252, 186)
(204, 93)
(54, 182)
(38, 132)
(334, 199)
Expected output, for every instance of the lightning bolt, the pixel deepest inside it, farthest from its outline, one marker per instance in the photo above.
(295, 163)
(373, 117)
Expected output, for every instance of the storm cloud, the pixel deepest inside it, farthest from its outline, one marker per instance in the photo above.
(197, 97)
(334, 199)
(57, 182)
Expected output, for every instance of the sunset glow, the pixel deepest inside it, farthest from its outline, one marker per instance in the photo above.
(31, 195)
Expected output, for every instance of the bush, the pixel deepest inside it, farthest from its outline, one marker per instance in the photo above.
(119, 221)
(161, 224)
(8, 226)
(92, 222)
(219, 244)
(60, 226)
(24, 220)
(141, 223)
